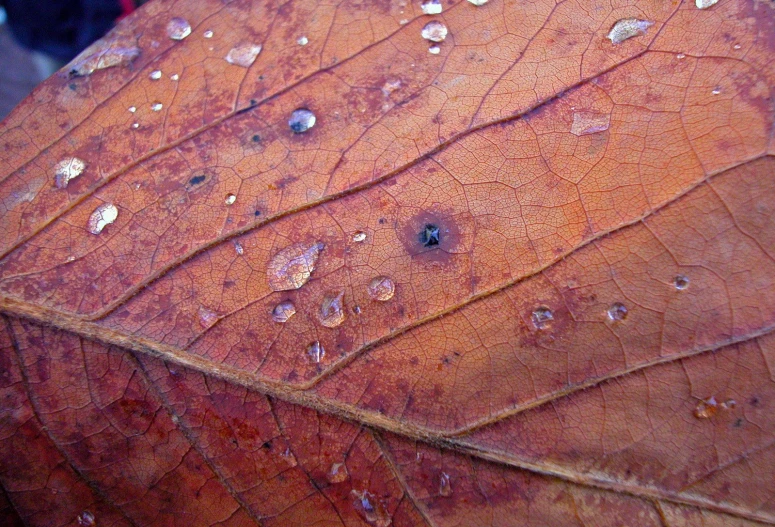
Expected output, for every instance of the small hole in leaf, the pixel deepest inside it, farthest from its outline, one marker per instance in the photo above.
(430, 235)
(197, 179)
(256, 138)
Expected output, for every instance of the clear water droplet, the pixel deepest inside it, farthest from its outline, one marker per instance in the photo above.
(67, 170)
(157, 106)
(706, 408)
(542, 316)
(283, 311)
(155, 75)
(359, 236)
(291, 267)
(729, 404)
(178, 28)
(617, 312)
(174, 77)
(207, 317)
(445, 486)
(704, 4)
(716, 90)
(238, 248)
(230, 199)
(302, 41)
(132, 109)
(102, 216)
(337, 473)
(585, 123)
(737, 46)
(301, 120)
(431, 7)
(208, 34)
(681, 56)
(370, 508)
(434, 50)
(86, 519)
(434, 31)
(381, 288)
(332, 313)
(135, 125)
(478, 2)
(681, 282)
(316, 352)
(627, 28)
(243, 55)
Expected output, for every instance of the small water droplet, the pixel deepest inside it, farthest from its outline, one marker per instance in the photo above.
(86, 519)
(430, 236)
(478, 2)
(434, 31)
(716, 90)
(542, 317)
(445, 486)
(174, 77)
(301, 120)
(370, 508)
(283, 311)
(155, 75)
(68, 169)
(359, 236)
(681, 282)
(178, 28)
(617, 312)
(357, 310)
(302, 41)
(403, 21)
(704, 4)
(208, 34)
(132, 109)
(332, 312)
(737, 46)
(289, 457)
(706, 408)
(292, 267)
(338, 473)
(316, 352)
(157, 106)
(230, 199)
(585, 123)
(243, 55)
(381, 288)
(238, 248)
(434, 50)
(681, 56)
(390, 86)
(207, 317)
(102, 216)
(627, 28)
(728, 404)
(135, 125)
(431, 7)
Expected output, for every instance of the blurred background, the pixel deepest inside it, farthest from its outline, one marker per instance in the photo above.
(37, 37)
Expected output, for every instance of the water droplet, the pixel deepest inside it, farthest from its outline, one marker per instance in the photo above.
(68, 169)
(332, 312)
(359, 236)
(434, 31)
(541, 317)
(716, 90)
(681, 56)
(135, 125)
(208, 34)
(155, 75)
(289, 457)
(370, 508)
(132, 109)
(207, 317)
(704, 4)
(390, 86)
(301, 120)
(357, 310)
(728, 404)
(238, 248)
(292, 267)
(434, 50)
(302, 41)
(283, 311)
(585, 123)
(243, 55)
(737, 46)
(102, 216)
(316, 352)
(706, 408)
(430, 236)
(338, 473)
(381, 288)
(478, 2)
(174, 77)
(178, 28)
(230, 199)
(681, 282)
(628, 28)
(157, 106)
(431, 7)
(445, 486)
(86, 519)
(617, 311)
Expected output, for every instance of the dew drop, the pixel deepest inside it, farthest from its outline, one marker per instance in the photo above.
(283, 311)
(230, 199)
(542, 317)
(238, 248)
(617, 312)
(585, 123)
(434, 31)
(681, 56)
(316, 352)
(337, 473)
(302, 41)
(292, 267)
(716, 90)
(431, 7)
(208, 34)
(157, 106)
(430, 236)
(445, 486)
(434, 50)
(332, 312)
(359, 236)
(628, 28)
(737, 46)
(207, 317)
(135, 125)
(381, 288)
(132, 109)
(119, 50)
(301, 120)
(681, 282)
(174, 77)
(478, 2)
(704, 4)
(706, 408)
(86, 519)
(728, 404)
(178, 28)
(243, 55)
(370, 508)
(68, 169)
(102, 216)
(155, 75)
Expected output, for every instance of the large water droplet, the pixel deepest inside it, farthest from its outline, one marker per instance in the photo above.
(102, 216)
(542, 317)
(704, 4)
(589, 123)
(316, 352)
(617, 311)
(382, 288)
(370, 508)
(243, 55)
(68, 169)
(283, 311)
(86, 519)
(292, 267)
(337, 473)
(359, 236)
(445, 486)
(706, 408)
(681, 282)
(434, 31)
(431, 7)
(207, 317)
(332, 312)
(178, 28)
(628, 28)
(301, 120)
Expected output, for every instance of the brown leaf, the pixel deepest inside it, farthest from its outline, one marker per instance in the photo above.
(293, 264)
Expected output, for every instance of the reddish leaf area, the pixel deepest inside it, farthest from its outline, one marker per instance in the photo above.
(521, 276)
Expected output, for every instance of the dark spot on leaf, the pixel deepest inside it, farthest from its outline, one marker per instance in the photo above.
(197, 179)
(256, 138)
(267, 445)
(257, 213)
(72, 86)
(430, 236)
